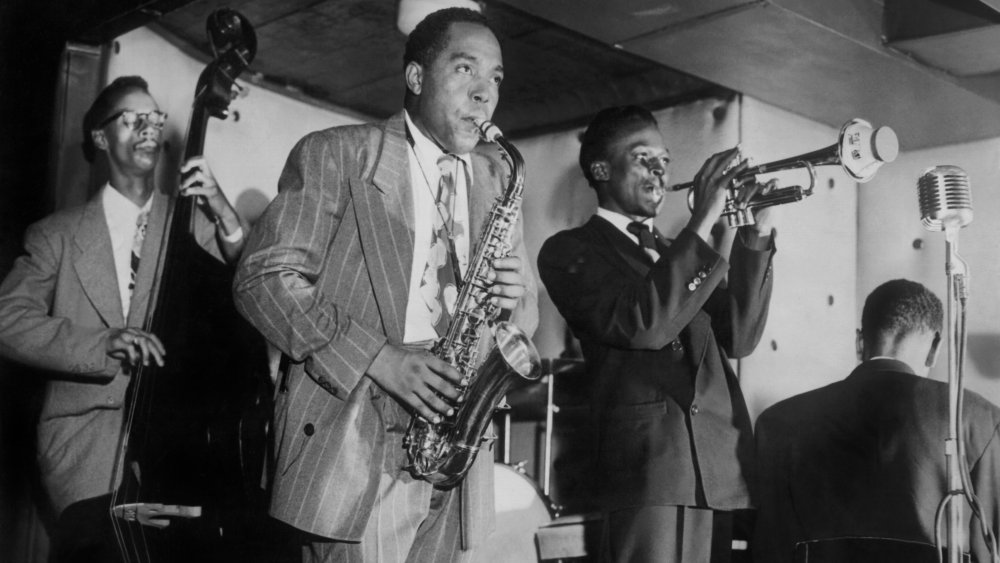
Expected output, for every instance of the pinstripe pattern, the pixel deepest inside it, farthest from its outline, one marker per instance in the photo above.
(410, 521)
(325, 278)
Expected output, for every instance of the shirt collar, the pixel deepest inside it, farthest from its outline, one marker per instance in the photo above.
(116, 205)
(620, 221)
(426, 149)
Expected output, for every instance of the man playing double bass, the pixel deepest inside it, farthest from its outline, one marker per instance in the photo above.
(71, 304)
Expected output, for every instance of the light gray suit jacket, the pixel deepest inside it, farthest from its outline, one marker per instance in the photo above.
(325, 277)
(57, 308)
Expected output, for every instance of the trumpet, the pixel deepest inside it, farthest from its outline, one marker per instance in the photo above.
(860, 150)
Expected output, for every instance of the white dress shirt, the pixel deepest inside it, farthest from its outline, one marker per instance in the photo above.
(424, 178)
(121, 215)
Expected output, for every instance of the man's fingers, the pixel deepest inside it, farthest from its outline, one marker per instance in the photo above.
(443, 370)
(507, 263)
(437, 405)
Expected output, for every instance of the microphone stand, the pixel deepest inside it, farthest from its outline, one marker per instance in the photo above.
(956, 270)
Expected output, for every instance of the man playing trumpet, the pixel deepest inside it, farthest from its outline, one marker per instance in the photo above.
(657, 323)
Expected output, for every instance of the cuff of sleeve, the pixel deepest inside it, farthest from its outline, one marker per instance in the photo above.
(233, 237)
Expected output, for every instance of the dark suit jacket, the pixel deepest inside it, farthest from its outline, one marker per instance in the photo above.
(865, 457)
(325, 278)
(671, 420)
(57, 307)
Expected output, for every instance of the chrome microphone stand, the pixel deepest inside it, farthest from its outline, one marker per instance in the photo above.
(957, 271)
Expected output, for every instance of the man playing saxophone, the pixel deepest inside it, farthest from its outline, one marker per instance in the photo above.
(657, 322)
(352, 274)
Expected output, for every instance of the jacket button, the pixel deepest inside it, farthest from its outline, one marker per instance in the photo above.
(692, 286)
(676, 345)
(694, 409)
(703, 274)
(309, 429)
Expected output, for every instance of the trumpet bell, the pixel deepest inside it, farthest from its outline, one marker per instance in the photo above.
(864, 150)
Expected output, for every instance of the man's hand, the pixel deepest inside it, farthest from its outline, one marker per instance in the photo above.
(417, 380)
(507, 283)
(135, 347)
(710, 190)
(198, 181)
(765, 218)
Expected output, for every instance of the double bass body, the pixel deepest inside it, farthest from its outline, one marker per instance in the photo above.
(194, 439)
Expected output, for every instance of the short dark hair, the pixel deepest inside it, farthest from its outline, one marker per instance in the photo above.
(606, 127)
(430, 37)
(898, 308)
(104, 105)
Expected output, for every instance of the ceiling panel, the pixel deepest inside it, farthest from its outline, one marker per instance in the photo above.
(349, 53)
(613, 22)
(778, 56)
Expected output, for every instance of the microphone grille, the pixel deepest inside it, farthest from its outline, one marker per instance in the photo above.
(945, 198)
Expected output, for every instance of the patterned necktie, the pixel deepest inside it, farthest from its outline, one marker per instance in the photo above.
(140, 235)
(646, 239)
(438, 286)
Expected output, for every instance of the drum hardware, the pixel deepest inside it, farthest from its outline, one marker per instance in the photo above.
(521, 510)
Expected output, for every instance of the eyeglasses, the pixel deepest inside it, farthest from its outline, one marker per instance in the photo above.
(135, 120)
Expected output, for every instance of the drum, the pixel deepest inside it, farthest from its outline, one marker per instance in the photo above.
(520, 511)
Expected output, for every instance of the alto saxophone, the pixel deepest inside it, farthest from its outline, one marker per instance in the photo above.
(443, 452)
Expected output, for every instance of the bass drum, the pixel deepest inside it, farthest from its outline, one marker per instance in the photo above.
(520, 511)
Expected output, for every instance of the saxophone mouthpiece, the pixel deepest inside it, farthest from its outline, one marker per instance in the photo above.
(489, 131)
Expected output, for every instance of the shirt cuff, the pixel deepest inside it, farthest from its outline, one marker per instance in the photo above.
(233, 237)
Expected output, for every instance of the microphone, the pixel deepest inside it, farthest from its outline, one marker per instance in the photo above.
(945, 198)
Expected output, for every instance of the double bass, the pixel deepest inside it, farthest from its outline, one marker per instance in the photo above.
(194, 441)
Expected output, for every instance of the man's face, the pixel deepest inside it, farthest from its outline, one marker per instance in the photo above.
(636, 173)
(459, 88)
(133, 149)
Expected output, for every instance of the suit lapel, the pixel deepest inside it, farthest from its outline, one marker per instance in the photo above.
(384, 208)
(630, 252)
(95, 264)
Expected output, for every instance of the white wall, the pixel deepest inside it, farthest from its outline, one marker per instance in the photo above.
(890, 223)
(808, 341)
(246, 155)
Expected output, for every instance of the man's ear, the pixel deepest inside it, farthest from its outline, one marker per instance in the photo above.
(932, 354)
(600, 171)
(100, 139)
(414, 75)
(859, 346)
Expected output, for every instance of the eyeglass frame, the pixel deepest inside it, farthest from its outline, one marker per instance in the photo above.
(139, 117)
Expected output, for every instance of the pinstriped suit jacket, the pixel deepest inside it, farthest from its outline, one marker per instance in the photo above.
(325, 278)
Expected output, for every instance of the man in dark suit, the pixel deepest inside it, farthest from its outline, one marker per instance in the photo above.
(657, 324)
(865, 457)
(71, 305)
(343, 276)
